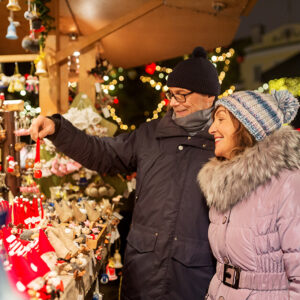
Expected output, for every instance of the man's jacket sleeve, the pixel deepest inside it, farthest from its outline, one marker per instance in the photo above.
(104, 155)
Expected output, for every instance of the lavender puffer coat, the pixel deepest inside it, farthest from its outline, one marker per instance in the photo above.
(254, 234)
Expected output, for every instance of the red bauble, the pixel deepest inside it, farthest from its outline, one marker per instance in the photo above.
(37, 174)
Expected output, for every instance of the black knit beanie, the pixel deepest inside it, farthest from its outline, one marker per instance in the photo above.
(196, 74)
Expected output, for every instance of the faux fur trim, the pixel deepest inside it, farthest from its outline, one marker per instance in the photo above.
(224, 183)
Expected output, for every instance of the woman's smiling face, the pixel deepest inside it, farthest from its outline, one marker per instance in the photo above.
(223, 129)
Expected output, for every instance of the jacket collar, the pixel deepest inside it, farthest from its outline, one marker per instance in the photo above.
(225, 183)
(167, 128)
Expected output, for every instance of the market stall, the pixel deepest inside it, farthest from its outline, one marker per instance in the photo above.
(74, 225)
(61, 229)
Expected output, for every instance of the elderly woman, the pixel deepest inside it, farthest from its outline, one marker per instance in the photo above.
(252, 187)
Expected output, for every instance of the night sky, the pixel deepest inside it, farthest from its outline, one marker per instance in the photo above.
(270, 13)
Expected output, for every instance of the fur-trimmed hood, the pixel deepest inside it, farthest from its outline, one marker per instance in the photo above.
(224, 183)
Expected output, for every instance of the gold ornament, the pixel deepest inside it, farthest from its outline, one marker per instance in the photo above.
(13, 5)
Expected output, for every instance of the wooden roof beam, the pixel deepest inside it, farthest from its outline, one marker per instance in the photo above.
(89, 40)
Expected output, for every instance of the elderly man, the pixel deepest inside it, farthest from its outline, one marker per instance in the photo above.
(167, 254)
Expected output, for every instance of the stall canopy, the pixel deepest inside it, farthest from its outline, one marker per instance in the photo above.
(137, 32)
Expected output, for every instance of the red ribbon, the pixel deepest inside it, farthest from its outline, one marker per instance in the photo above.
(37, 151)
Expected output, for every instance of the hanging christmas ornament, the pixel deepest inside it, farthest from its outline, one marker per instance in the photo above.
(37, 163)
(32, 82)
(97, 295)
(29, 15)
(11, 29)
(18, 79)
(13, 5)
(40, 64)
(11, 86)
(29, 42)
(117, 258)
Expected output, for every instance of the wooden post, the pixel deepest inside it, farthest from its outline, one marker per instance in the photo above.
(86, 83)
(64, 78)
(54, 88)
(64, 91)
(48, 92)
(54, 91)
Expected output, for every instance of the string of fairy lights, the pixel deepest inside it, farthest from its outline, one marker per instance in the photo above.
(116, 81)
(158, 85)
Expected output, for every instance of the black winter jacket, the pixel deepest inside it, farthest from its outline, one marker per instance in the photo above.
(168, 254)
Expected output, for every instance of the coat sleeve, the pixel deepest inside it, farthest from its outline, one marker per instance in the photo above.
(104, 155)
(288, 222)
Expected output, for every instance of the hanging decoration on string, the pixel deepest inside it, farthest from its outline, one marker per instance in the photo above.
(32, 82)
(17, 81)
(43, 22)
(11, 29)
(37, 162)
(40, 64)
(13, 5)
(30, 42)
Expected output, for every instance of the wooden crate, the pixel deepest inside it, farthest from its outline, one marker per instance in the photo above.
(93, 244)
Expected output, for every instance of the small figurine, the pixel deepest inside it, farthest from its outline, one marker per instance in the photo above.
(110, 270)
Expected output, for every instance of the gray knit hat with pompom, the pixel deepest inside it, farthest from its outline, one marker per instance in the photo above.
(261, 113)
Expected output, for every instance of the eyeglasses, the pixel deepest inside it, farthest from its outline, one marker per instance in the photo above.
(181, 98)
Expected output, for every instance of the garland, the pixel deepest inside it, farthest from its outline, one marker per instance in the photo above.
(47, 20)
